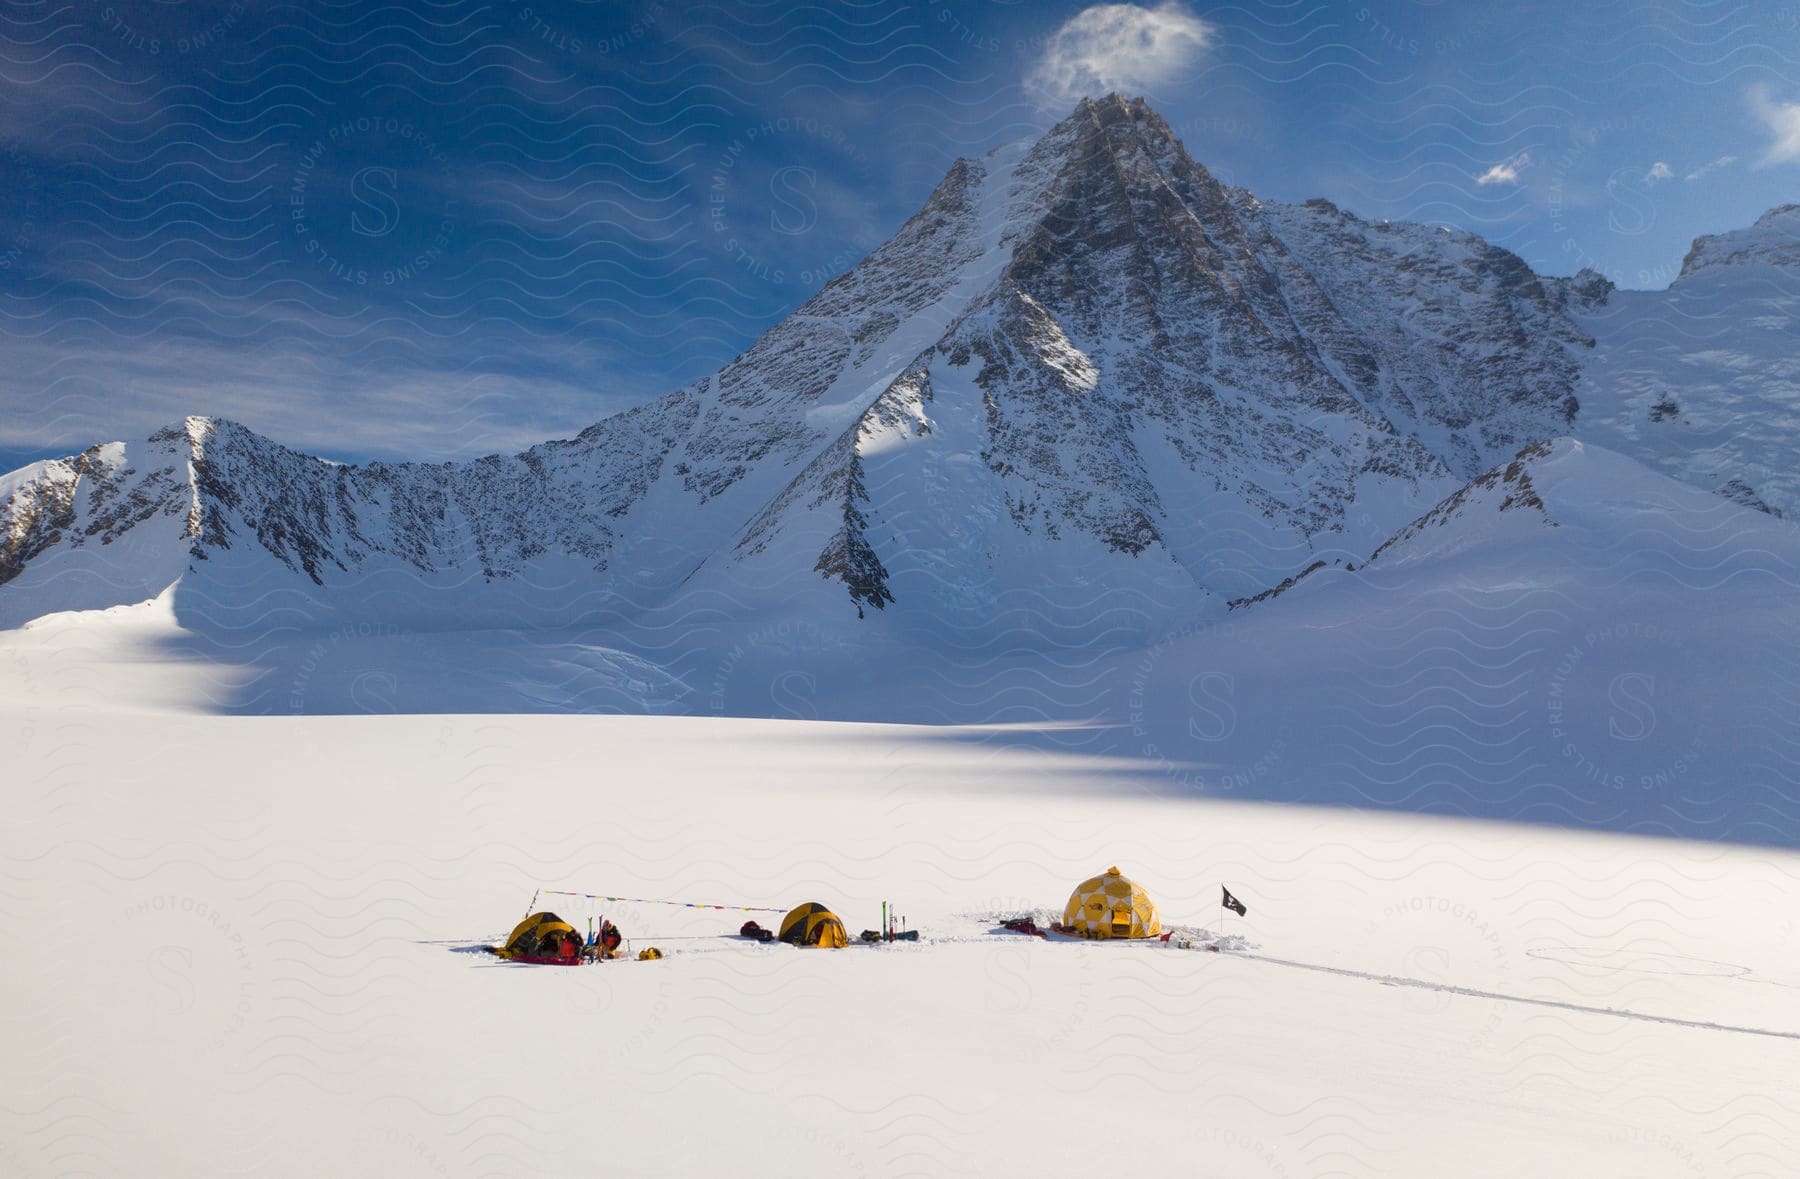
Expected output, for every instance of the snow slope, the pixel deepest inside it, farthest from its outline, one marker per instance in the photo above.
(1569, 639)
(1702, 381)
(248, 951)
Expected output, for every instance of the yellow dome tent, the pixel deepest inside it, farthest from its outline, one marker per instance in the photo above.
(543, 939)
(812, 924)
(1111, 906)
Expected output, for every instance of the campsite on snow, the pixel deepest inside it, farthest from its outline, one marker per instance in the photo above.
(1129, 676)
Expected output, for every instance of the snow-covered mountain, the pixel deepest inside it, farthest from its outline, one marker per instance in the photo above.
(1085, 367)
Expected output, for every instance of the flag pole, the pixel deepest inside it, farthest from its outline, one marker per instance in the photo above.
(1227, 901)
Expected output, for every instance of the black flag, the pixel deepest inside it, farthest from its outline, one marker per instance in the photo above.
(1232, 903)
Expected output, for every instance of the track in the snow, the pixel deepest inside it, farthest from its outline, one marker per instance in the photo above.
(1421, 984)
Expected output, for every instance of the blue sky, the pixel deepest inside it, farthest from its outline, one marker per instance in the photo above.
(445, 229)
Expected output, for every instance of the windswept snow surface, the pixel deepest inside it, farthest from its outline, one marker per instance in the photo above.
(246, 945)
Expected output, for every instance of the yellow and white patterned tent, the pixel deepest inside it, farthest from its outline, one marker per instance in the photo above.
(1111, 906)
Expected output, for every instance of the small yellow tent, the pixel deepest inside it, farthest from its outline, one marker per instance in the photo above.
(544, 939)
(1111, 906)
(812, 924)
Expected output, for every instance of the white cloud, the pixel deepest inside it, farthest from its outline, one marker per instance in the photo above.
(1711, 166)
(1117, 47)
(1505, 172)
(1659, 171)
(1783, 121)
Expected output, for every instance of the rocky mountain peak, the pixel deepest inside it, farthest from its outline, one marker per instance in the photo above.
(1083, 365)
(1591, 287)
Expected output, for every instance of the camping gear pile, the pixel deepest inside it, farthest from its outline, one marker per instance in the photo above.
(1024, 925)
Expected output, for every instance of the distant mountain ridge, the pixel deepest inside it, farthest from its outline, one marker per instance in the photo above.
(1773, 241)
(1084, 365)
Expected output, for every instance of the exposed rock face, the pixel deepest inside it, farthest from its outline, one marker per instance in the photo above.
(1506, 488)
(97, 497)
(1082, 354)
(1152, 306)
(1459, 517)
(1739, 492)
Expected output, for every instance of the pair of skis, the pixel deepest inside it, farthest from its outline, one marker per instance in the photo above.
(889, 933)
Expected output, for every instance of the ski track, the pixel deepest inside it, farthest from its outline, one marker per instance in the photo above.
(1392, 980)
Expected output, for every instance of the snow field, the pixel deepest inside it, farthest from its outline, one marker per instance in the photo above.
(249, 948)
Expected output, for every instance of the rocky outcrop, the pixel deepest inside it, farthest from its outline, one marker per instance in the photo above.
(1773, 241)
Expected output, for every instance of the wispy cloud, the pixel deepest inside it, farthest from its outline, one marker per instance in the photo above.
(1118, 47)
(1505, 172)
(1783, 122)
(1709, 167)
